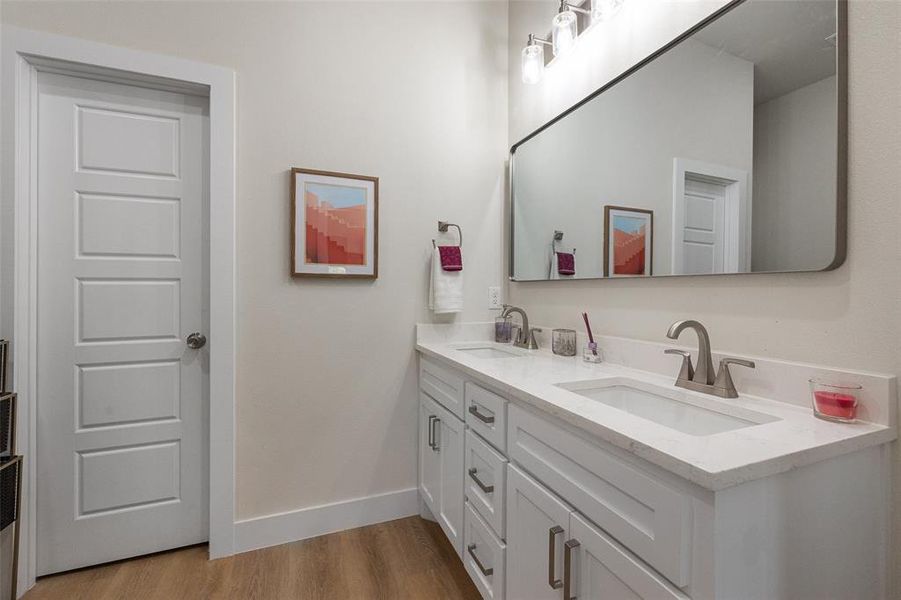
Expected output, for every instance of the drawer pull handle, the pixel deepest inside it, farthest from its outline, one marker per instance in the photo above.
(568, 548)
(474, 411)
(435, 438)
(485, 488)
(431, 432)
(552, 534)
(472, 552)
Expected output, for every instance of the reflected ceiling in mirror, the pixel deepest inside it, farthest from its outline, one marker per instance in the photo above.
(723, 153)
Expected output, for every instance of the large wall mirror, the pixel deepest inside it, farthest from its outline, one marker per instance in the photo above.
(722, 153)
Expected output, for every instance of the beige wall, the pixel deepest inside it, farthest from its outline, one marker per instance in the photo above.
(846, 318)
(414, 93)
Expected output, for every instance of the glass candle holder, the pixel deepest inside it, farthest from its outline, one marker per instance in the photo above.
(834, 402)
(591, 353)
(503, 330)
(563, 342)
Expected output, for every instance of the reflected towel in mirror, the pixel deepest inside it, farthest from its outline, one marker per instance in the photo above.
(566, 263)
(559, 265)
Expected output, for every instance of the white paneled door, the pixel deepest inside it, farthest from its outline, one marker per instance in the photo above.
(121, 398)
(704, 227)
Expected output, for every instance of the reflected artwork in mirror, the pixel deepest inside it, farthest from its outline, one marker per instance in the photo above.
(722, 153)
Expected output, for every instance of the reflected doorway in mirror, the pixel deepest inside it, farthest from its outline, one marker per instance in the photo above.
(628, 242)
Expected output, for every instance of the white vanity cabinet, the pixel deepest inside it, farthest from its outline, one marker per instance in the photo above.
(443, 385)
(596, 566)
(539, 508)
(554, 553)
(485, 479)
(484, 556)
(441, 467)
(537, 527)
(643, 511)
(486, 414)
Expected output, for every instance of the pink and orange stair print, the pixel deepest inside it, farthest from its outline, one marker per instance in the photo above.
(334, 236)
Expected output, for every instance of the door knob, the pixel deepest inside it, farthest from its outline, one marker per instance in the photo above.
(196, 340)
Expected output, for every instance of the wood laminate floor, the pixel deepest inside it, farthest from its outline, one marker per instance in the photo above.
(408, 558)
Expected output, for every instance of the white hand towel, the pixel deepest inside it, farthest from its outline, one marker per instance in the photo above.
(553, 268)
(445, 288)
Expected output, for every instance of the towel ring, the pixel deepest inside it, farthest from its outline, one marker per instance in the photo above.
(442, 228)
(558, 236)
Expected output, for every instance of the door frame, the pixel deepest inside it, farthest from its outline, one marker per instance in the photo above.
(738, 211)
(24, 54)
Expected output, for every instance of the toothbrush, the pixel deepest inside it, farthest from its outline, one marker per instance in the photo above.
(591, 344)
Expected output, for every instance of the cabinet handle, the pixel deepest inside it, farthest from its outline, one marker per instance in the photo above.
(435, 438)
(472, 552)
(568, 548)
(474, 411)
(552, 534)
(485, 488)
(431, 432)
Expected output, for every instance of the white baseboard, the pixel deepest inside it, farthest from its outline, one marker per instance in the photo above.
(281, 528)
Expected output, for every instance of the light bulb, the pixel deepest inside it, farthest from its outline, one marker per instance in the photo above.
(603, 10)
(565, 30)
(532, 63)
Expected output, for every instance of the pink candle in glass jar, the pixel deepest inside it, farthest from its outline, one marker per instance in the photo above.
(835, 402)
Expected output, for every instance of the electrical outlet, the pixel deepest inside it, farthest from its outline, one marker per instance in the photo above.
(494, 297)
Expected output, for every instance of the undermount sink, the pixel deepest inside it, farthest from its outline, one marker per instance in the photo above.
(663, 407)
(489, 351)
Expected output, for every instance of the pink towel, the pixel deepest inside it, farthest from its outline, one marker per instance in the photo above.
(451, 258)
(566, 263)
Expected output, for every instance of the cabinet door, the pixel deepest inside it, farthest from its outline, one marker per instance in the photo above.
(537, 527)
(449, 445)
(429, 464)
(601, 569)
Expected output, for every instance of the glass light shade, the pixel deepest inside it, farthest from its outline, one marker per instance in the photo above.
(564, 30)
(603, 10)
(532, 63)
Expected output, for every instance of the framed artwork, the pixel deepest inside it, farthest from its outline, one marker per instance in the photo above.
(334, 224)
(628, 241)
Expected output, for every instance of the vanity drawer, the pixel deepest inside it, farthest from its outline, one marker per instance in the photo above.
(442, 384)
(485, 485)
(647, 516)
(486, 414)
(483, 556)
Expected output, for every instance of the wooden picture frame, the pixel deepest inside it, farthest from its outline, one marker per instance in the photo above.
(351, 201)
(646, 217)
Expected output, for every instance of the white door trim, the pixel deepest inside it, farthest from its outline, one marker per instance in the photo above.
(24, 53)
(738, 211)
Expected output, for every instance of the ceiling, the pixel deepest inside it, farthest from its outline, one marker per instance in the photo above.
(785, 39)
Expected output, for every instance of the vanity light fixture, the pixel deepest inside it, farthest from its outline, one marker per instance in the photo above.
(533, 59)
(564, 32)
(565, 27)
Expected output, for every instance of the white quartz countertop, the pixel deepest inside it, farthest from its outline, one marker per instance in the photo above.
(715, 462)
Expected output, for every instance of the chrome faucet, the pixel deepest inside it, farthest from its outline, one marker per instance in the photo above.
(702, 379)
(526, 338)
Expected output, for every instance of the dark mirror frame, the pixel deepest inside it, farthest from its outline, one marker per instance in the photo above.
(841, 212)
